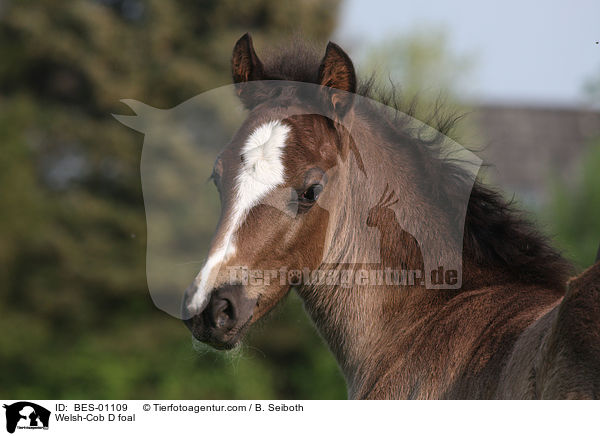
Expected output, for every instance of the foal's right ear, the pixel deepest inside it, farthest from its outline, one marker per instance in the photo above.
(245, 67)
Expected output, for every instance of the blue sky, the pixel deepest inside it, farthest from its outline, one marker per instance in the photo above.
(526, 51)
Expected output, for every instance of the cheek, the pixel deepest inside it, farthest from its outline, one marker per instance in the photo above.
(271, 239)
(308, 238)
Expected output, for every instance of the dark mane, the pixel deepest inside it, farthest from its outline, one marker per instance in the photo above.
(496, 233)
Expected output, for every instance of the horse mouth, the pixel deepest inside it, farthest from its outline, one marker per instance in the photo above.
(229, 341)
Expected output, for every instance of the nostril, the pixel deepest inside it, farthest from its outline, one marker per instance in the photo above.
(229, 310)
(223, 313)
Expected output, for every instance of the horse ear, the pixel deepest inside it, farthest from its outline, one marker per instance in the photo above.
(337, 71)
(245, 64)
(246, 67)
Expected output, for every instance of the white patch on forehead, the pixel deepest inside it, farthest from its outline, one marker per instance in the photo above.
(260, 172)
(262, 168)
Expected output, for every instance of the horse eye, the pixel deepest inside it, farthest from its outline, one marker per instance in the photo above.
(216, 179)
(311, 194)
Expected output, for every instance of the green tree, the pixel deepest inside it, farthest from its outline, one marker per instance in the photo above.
(74, 305)
(573, 213)
(420, 64)
(591, 89)
(429, 80)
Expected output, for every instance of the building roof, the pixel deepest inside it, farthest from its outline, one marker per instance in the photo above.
(527, 146)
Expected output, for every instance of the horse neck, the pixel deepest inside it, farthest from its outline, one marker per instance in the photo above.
(362, 325)
(359, 323)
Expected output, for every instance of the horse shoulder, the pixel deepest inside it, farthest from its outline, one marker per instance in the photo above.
(558, 356)
(570, 366)
(460, 349)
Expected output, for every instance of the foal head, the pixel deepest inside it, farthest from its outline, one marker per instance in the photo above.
(274, 179)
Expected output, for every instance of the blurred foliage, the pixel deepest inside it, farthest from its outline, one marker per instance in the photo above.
(573, 214)
(591, 89)
(75, 312)
(421, 61)
(422, 68)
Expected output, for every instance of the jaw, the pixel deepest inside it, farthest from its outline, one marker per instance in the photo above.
(264, 305)
(267, 302)
(231, 311)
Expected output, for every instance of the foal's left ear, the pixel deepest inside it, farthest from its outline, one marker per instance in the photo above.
(337, 71)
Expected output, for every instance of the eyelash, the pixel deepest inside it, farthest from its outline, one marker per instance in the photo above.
(215, 179)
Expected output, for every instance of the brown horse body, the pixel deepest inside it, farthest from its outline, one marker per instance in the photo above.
(508, 341)
(509, 331)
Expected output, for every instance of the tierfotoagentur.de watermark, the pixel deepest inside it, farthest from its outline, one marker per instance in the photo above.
(345, 277)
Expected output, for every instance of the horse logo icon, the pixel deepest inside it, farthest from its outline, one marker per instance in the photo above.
(26, 415)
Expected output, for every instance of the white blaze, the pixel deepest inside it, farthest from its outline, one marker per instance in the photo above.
(261, 171)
